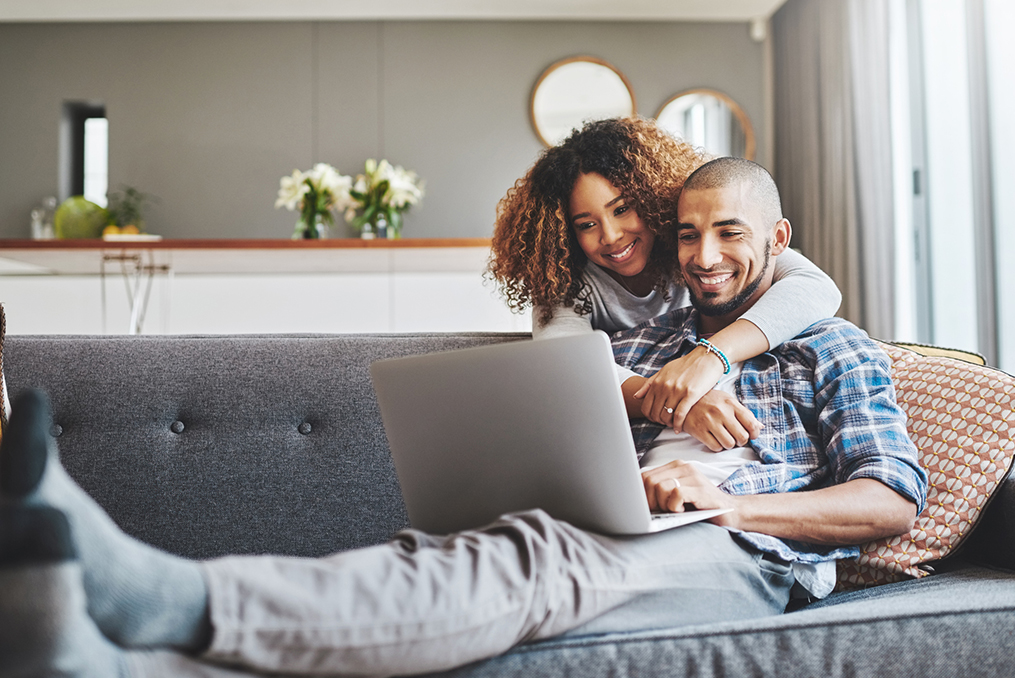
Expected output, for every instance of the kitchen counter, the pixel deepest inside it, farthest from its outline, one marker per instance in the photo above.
(232, 256)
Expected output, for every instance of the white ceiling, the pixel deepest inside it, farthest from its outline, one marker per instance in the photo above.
(295, 10)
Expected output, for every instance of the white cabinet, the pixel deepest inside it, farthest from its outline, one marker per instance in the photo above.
(437, 289)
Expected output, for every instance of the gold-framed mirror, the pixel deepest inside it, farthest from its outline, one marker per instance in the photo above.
(709, 119)
(575, 90)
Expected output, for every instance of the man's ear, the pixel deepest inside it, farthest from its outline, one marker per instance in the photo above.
(781, 234)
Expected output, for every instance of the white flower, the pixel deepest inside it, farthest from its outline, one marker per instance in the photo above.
(291, 190)
(384, 170)
(402, 190)
(342, 200)
(323, 180)
(405, 189)
(336, 185)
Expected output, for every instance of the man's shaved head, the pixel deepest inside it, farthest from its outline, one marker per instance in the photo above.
(729, 171)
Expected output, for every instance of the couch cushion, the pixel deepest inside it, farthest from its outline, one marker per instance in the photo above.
(210, 445)
(954, 624)
(962, 419)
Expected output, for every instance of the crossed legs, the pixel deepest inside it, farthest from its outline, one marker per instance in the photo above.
(114, 606)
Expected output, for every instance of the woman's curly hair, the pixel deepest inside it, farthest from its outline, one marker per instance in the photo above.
(536, 258)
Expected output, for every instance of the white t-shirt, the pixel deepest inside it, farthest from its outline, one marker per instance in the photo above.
(817, 578)
(716, 466)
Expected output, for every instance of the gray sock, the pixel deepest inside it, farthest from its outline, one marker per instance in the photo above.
(45, 629)
(137, 595)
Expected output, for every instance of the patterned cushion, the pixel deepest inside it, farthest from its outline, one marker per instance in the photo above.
(962, 420)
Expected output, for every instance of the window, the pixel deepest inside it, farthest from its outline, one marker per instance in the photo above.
(96, 160)
(953, 153)
(84, 151)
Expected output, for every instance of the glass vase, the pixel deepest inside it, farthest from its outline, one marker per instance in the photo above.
(395, 228)
(311, 228)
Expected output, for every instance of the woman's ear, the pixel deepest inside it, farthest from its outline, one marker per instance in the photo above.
(781, 234)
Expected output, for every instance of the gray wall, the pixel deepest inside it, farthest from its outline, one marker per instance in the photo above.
(208, 116)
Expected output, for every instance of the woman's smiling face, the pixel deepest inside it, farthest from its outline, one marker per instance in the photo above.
(608, 229)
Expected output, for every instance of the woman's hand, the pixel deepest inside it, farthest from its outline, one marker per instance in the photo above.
(672, 486)
(721, 422)
(670, 393)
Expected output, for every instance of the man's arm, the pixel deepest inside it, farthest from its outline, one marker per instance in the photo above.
(718, 420)
(850, 513)
(632, 404)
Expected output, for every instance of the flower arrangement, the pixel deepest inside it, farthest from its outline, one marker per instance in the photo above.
(315, 194)
(379, 198)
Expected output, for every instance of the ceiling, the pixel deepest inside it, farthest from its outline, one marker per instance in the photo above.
(296, 10)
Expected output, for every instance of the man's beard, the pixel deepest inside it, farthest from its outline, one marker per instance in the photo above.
(740, 299)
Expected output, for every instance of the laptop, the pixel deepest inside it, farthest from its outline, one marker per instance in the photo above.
(480, 432)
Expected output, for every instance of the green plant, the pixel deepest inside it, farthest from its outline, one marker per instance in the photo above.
(314, 193)
(127, 208)
(383, 191)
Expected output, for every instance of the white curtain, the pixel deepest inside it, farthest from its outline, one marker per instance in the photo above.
(833, 153)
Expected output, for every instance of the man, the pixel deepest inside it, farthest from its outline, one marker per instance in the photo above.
(421, 602)
(730, 224)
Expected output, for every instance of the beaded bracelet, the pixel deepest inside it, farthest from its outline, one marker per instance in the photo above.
(714, 350)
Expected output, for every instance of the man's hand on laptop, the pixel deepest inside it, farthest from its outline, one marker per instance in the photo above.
(678, 485)
(721, 422)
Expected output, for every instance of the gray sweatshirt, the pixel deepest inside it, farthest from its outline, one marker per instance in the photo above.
(801, 295)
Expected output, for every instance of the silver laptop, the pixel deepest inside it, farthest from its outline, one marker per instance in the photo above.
(480, 432)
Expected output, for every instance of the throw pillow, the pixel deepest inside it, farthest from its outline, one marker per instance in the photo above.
(961, 417)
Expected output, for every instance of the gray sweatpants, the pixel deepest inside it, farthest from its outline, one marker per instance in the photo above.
(423, 603)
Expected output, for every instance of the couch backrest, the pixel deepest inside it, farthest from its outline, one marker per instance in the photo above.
(207, 445)
(211, 445)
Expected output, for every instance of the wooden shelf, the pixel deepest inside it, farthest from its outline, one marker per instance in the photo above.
(239, 244)
(200, 256)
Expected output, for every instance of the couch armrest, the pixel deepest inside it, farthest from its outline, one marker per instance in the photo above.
(993, 539)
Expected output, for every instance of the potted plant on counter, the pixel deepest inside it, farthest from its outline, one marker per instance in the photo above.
(315, 194)
(379, 198)
(126, 212)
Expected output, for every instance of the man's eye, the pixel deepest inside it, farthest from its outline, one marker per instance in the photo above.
(687, 237)
(621, 209)
(732, 234)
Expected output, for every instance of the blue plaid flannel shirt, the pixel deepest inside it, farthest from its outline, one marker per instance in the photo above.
(828, 406)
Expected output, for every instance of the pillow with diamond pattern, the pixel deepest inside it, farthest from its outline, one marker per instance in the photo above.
(961, 417)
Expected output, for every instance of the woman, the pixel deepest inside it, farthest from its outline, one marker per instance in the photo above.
(586, 238)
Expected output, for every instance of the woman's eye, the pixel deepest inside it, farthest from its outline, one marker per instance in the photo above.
(620, 210)
(585, 225)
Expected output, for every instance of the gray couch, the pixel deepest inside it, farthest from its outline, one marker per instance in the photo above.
(273, 444)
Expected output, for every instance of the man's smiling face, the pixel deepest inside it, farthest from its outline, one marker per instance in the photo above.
(724, 248)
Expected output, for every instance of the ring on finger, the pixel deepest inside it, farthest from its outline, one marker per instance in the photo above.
(668, 410)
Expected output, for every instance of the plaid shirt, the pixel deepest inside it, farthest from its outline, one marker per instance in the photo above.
(828, 407)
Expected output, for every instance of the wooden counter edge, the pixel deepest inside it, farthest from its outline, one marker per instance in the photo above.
(238, 244)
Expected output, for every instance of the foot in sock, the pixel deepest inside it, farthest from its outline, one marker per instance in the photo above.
(137, 595)
(45, 629)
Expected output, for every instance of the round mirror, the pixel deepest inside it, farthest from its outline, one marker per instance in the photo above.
(575, 90)
(709, 119)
